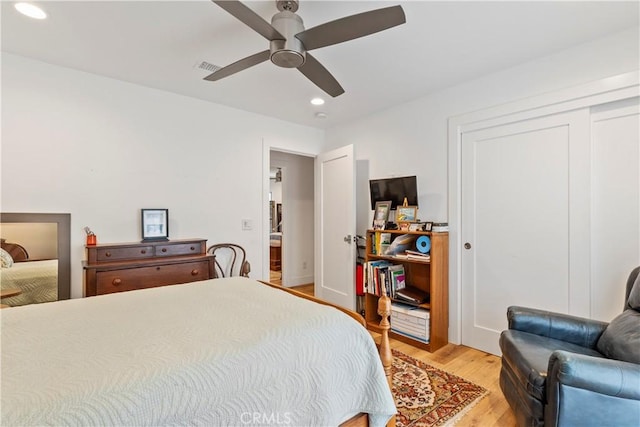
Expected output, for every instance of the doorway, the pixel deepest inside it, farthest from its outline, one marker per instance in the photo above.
(291, 219)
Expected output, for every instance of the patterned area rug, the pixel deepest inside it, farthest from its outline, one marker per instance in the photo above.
(429, 397)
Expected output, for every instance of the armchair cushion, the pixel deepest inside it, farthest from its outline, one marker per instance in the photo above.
(633, 302)
(621, 339)
(528, 357)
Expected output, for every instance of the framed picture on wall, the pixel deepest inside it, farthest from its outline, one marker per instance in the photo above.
(155, 224)
(381, 214)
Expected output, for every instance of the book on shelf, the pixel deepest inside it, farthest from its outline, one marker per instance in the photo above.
(412, 295)
(439, 227)
(384, 243)
(381, 277)
(397, 278)
(375, 279)
(417, 256)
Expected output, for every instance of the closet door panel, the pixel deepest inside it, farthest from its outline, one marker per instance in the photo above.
(525, 218)
(615, 214)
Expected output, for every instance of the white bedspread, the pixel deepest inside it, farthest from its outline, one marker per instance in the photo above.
(38, 281)
(229, 352)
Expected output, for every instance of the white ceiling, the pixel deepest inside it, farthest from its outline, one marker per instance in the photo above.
(159, 43)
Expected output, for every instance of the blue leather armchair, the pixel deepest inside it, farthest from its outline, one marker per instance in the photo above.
(561, 370)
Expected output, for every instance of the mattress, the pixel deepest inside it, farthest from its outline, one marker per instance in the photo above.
(37, 281)
(216, 352)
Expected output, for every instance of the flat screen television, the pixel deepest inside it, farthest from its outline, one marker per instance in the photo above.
(394, 189)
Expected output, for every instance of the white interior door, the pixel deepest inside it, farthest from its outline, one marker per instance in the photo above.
(524, 222)
(335, 227)
(615, 216)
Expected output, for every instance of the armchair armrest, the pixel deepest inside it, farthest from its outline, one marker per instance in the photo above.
(611, 377)
(591, 391)
(573, 329)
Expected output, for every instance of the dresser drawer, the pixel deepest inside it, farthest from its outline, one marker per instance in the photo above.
(178, 249)
(148, 277)
(114, 254)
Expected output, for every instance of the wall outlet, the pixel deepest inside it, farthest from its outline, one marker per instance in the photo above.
(247, 224)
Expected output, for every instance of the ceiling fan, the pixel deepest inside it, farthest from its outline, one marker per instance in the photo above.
(291, 43)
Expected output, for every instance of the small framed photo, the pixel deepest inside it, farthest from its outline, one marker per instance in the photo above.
(155, 224)
(428, 225)
(381, 215)
(415, 226)
(404, 226)
(406, 213)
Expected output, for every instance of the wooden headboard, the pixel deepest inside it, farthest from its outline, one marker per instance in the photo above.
(17, 252)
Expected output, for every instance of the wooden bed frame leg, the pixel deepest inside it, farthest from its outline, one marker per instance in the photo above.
(384, 310)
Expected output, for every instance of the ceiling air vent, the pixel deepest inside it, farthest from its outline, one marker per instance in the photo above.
(204, 65)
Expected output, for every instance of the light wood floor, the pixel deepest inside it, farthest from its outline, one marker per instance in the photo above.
(275, 277)
(474, 365)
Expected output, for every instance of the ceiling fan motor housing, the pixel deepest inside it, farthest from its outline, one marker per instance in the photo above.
(289, 53)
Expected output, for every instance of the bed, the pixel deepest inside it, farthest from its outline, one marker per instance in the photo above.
(275, 251)
(228, 351)
(37, 282)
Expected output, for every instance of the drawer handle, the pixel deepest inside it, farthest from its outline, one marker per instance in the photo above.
(194, 272)
(143, 251)
(116, 282)
(164, 249)
(157, 268)
(107, 254)
(193, 248)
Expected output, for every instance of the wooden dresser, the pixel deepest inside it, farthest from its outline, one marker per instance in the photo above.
(128, 266)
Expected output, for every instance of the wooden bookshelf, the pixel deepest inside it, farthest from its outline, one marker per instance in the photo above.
(430, 276)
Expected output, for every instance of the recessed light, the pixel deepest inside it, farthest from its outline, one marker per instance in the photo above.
(317, 101)
(30, 10)
(321, 115)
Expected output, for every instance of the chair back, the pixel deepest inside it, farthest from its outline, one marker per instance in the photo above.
(230, 260)
(631, 281)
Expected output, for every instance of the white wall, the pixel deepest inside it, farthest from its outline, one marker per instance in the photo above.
(297, 217)
(102, 149)
(40, 240)
(412, 138)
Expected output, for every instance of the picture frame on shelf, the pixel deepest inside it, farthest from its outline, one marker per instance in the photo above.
(415, 226)
(381, 214)
(428, 225)
(404, 226)
(406, 214)
(155, 224)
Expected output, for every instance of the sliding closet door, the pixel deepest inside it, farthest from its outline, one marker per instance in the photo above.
(615, 218)
(525, 224)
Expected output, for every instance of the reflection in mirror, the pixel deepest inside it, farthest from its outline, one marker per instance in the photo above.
(35, 258)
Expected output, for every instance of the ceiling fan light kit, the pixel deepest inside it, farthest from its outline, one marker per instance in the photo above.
(290, 42)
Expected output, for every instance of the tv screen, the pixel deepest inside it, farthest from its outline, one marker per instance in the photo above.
(394, 189)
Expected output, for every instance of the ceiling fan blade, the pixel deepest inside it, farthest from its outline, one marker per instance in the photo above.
(351, 27)
(250, 18)
(319, 75)
(240, 65)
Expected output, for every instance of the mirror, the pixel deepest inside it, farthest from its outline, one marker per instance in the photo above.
(41, 271)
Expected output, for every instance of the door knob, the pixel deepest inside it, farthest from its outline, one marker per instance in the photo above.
(467, 245)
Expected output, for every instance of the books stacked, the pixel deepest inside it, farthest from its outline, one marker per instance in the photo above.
(439, 227)
(410, 321)
(383, 278)
(411, 295)
(417, 256)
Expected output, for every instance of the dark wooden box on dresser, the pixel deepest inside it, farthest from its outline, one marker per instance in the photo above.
(122, 267)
